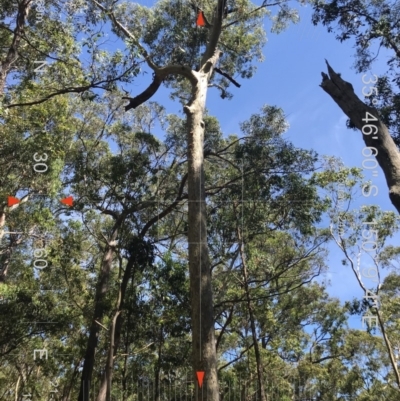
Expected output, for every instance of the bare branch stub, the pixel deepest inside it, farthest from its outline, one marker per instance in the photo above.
(388, 157)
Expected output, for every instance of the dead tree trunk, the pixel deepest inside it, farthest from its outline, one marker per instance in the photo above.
(388, 155)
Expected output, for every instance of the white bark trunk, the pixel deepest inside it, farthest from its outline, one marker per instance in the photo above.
(203, 336)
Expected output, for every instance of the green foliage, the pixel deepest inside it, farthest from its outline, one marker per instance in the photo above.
(367, 22)
(262, 193)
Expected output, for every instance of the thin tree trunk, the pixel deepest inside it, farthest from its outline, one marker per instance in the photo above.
(203, 335)
(115, 333)
(101, 290)
(389, 348)
(243, 392)
(124, 378)
(260, 376)
(106, 381)
(68, 387)
(388, 155)
(7, 252)
(157, 368)
(16, 388)
(126, 344)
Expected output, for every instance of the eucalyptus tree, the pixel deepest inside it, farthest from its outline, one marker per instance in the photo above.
(269, 270)
(123, 188)
(28, 230)
(79, 163)
(42, 59)
(269, 197)
(51, 43)
(169, 41)
(106, 184)
(362, 235)
(255, 276)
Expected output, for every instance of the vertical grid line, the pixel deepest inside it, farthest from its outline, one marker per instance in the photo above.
(200, 247)
(242, 204)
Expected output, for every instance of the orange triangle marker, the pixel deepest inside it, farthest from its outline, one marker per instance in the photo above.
(11, 201)
(67, 201)
(200, 19)
(200, 377)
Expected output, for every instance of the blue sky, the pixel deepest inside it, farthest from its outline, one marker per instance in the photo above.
(289, 78)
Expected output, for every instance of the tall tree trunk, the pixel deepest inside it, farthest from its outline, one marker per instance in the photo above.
(115, 333)
(388, 155)
(157, 369)
(202, 309)
(106, 380)
(260, 374)
(69, 386)
(125, 378)
(203, 336)
(101, 290)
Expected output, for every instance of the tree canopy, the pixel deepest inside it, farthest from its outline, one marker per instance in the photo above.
(183, 248)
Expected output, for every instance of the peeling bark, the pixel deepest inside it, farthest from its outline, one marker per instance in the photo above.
(388, 156)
